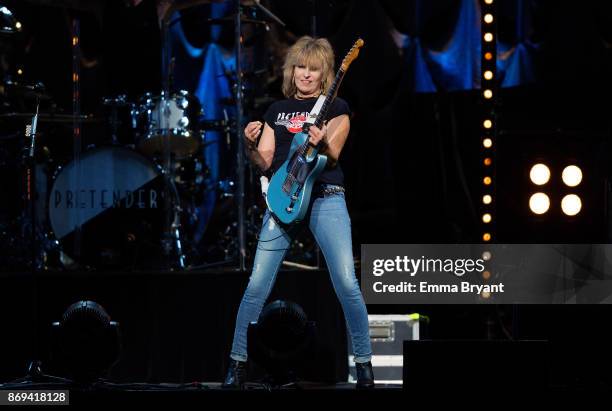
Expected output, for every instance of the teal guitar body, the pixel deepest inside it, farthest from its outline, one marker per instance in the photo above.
(291, 186)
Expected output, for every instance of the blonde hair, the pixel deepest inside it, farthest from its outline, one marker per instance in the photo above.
(310, 52)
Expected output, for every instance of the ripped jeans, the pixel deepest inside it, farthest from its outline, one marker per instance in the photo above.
(331, 227)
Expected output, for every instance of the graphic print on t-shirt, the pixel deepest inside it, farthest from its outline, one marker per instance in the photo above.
(292, 121)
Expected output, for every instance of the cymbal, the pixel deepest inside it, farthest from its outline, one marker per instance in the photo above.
(51, 117)
(82, 5)
(185, 4)
(232, 18)
(93, 5)
(176, 5)
(24, 90)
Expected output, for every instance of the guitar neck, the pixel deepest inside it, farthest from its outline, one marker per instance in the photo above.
(329, 98)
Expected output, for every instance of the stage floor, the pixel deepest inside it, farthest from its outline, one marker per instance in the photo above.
(175, 326)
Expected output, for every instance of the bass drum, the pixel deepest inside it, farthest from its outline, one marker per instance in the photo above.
(110, 210)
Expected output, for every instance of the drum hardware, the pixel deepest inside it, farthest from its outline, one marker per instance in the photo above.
(29, 192)
(226, 188)
(168, 131)
(116, 104)
(51, 117)
(26, 90)
(222, 126)
(171, 240)
(248, 14)
(170, 120)
(8, 23)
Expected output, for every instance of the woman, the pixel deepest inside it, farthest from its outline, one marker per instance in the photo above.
(307, 73)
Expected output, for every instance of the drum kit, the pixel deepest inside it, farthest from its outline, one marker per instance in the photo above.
(122, 202)
(109, 206)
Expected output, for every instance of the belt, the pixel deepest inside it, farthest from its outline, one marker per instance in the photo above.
(325, 190)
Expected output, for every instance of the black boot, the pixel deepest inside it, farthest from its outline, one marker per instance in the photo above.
(236, 374)
(365, 375)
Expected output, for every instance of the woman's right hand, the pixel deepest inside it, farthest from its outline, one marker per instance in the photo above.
(251, 132)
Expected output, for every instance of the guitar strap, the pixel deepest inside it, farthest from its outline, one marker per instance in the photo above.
(315, 110)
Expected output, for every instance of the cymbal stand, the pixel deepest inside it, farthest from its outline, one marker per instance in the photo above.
(171, 243)
(269, 13)
(76, 128)
(240, 160)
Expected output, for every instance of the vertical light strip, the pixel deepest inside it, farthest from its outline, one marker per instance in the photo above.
(488, 96)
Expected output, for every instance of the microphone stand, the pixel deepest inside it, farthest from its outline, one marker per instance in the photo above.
(29, 163)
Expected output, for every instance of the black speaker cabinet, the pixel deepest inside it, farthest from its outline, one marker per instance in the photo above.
(475, 364)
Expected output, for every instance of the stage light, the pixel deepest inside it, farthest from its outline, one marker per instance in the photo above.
(487, 143)
(572, 175)
(488, 75)
(486, 237)
(539, 174)
(18, 25)
(488, 55)
(488, 1)
(485, 294)
(487, 124)
(487, 94)
(488, 37)
(486, 275)
(539, 203)
(487, 180)
(486, 255)
(86, 342)
(486, 218)
(280, 339)
(571, 204)
(487, 199)
(488, 18)
(19, 71)
(488, 161)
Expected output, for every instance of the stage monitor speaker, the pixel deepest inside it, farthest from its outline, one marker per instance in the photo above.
(475, 364)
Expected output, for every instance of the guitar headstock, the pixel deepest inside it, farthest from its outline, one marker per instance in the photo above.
(352, 54)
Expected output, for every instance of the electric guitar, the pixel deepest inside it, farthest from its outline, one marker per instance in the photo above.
(290, 188)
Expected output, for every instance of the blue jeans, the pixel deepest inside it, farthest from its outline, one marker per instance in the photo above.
(331, 226)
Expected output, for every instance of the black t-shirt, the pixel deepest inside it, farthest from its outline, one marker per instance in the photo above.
(286, 118)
